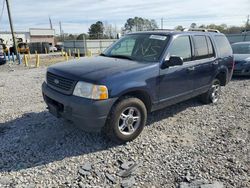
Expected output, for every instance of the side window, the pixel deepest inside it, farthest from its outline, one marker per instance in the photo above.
(210, 47)
(125, 47)
(201, 47)
(181, 47)
(223, 45)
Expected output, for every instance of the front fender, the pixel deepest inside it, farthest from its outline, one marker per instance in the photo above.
(131, 87)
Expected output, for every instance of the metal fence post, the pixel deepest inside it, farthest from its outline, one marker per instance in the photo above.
(19, 59)
(13, 57)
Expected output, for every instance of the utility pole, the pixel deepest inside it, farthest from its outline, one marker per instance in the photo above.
(61, 31)
(247, 24)
(162, 23)
(50, 23)
(11, 27)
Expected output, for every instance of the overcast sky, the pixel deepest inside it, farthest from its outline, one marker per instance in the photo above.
(77, 15)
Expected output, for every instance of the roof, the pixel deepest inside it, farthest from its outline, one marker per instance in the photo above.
(245, 42)
(173, 32)
(42, 32)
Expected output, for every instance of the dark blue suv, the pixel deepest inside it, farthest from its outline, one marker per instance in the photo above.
(140, 73)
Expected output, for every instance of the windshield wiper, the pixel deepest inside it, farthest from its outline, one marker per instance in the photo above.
(121, 56)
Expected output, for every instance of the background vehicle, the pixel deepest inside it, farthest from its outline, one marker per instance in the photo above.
(22, 48)
(241, 52)
(140, 73)
(2, 59)
(5, 48)
(52, 49)
(59, 47)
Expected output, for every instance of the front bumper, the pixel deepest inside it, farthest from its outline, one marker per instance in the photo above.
(89, 115)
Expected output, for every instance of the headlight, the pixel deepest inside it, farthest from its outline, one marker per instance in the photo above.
(91, 91)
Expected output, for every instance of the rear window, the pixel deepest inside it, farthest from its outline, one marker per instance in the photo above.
(223, 45)
(241, 48)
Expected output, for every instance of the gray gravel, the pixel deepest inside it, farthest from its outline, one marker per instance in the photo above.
(182, 145)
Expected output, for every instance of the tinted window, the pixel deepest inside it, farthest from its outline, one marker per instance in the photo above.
(223, 45)
(241, 48)
(201, 47)
(181, 47)
(210, 47)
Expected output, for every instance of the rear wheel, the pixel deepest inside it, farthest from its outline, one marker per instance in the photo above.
(213, 94)
(126, 120)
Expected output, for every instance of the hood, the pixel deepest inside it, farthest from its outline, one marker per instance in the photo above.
(241, 57)
(94, 69)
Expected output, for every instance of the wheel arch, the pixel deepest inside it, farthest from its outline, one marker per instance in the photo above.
(143, 95)
(222, 76)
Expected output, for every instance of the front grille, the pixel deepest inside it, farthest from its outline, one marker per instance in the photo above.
(60, 83)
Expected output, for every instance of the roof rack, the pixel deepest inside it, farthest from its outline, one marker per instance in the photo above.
(169, 30)
(203, 30)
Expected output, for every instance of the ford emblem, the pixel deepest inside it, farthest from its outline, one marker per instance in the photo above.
(56, 81)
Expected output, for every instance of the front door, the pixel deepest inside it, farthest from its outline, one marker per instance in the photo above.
(176, 83)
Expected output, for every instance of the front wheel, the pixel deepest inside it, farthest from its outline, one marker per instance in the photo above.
(213, 94)
(126, 120)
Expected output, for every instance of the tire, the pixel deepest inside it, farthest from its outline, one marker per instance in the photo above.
(213, 94)
(126, 120)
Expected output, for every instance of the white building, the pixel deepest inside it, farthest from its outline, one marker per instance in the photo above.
(34, 35)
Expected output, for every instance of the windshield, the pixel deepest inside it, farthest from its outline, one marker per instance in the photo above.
(241, 48)
(139, 47)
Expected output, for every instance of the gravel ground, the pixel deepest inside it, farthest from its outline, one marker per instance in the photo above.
(185, 145)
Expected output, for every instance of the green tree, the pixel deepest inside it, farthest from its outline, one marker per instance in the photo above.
(140, 24)
(179, 28)
(96, 30)
(82, 36)
(193, 25)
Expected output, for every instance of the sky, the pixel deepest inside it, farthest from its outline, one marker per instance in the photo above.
(77, 15)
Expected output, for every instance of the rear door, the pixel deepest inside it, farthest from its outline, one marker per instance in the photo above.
(205, 62)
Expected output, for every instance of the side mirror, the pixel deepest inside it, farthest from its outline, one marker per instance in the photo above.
(173, 61)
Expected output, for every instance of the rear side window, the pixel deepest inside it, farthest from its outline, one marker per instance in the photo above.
(223, 45)
(181, 47)
(210, 47)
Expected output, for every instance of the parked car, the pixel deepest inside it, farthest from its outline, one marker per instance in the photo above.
(140, 73)
(59, 47)
(241, 52)
(52, 49)
(2, 58)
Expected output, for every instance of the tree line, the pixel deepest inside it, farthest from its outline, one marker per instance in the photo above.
(100, 30)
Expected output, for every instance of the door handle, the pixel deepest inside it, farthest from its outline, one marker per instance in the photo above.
(215, 63)
(191, 69)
